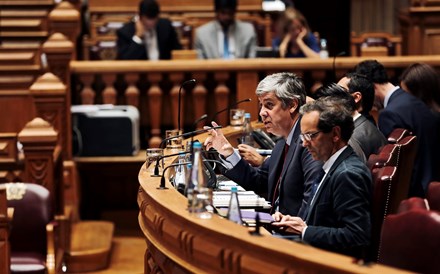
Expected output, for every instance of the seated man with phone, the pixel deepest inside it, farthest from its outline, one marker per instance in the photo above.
(286, 177)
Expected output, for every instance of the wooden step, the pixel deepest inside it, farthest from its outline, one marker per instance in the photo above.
(91, 245)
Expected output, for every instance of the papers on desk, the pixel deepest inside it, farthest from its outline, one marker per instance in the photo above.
(246, 199)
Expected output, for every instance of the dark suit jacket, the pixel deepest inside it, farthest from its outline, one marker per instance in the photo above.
(130, 50)
(406, 111)
(368, 136)
(296, 178)
(339, 217)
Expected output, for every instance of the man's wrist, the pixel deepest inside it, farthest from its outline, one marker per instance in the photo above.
(137, 39)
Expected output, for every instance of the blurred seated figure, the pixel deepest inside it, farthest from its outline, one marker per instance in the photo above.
(225, 37)
(147, 37)
(297, 39)
(422, 81)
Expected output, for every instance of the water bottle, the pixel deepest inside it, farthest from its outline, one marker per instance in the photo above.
(180, 177)
(324, 51)
(234, 213)
(247, 137)
(201, 204)
(189, 186)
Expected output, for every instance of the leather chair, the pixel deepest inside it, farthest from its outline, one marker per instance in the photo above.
(32, 236)
(433, 195)
(375, 44)
(384, 181)
(410, 240)
(397, 135)
(413, 203)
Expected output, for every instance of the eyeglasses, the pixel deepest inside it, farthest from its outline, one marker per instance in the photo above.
(308, 136)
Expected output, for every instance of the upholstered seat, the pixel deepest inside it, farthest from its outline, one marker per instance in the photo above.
(433, 195)
(413, 203)
(31, 238)
(376, 44)
(410, 240)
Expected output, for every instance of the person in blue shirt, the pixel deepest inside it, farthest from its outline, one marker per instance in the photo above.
(298, 40)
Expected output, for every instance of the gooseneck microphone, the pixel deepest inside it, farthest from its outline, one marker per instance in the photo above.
(162, 180)
(192, 81)
(334, 63)
(229, 107)
(187, 134)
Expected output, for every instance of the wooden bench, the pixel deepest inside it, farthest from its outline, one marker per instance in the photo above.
(186, 16)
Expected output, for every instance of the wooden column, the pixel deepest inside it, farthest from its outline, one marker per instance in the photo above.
(176, 79)
(221, 97)
(155, 95)
(132, 92)
(87, 93)
(109, 93)
(199, 98)
(39, 141)
(49, 95)
(59, 51)
(246, 84)
(65, 18)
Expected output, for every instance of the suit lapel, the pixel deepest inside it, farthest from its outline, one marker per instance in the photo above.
(347, 152)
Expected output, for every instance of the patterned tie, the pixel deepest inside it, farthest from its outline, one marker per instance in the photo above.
(275, 198)
(225, 45)
(315, 185)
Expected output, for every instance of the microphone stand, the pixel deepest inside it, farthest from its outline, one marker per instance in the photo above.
(191, 133)
(162, 180)
(179, 99)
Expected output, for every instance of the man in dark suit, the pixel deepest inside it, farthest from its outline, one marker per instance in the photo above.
(147, 37)
(403, 110)
(338, 216)
(286, 176)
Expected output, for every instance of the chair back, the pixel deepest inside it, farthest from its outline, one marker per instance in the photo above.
(32, 212)
(433, 195)
(410, 240)
(375, 44)
(397, 135)
(413, 203)
(384, 180)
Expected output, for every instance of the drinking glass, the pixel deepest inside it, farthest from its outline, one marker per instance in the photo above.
(236, 117)
(176, 142)
(153, 154)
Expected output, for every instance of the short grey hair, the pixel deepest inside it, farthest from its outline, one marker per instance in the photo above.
(286, 86)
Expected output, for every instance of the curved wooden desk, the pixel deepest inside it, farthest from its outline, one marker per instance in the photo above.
(179, 243)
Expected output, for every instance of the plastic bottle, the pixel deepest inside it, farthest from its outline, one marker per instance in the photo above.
(180, 177)
(201, 204)
(234, 213)
(324, 51)
(189, 187)
(247, 137)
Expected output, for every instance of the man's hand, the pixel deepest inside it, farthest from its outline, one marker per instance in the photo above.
(218, 141)
(289, 224)
(250, 155)
(140, 29)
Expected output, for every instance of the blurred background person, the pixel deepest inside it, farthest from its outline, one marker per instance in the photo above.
(297, 40)
(225, 37)
(147, 37)
(422, 81)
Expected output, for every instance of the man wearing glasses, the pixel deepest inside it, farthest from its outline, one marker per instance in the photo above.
(338, 216)
(287, 176)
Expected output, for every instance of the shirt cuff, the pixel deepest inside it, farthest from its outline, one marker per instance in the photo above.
(303, 232)
(137, 39)
(232, 160)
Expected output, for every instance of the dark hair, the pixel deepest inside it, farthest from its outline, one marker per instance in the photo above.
(360, 83)
(330, 116)
(149, 8)
(338, 94)
(422, 81)
(225, 4)
(373, 70)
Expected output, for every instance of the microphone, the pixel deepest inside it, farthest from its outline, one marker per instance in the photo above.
(188, 134)
(229, 107)
(162, 180)
(334, 63)
(201, 118)
(192, 81)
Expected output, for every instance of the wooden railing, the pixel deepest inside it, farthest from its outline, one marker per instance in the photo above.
(153, 86)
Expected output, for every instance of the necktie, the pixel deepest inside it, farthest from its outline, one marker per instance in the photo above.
(315, 185)
(275, 198)
(225, 45)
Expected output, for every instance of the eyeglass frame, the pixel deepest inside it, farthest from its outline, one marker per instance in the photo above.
(308, 136)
